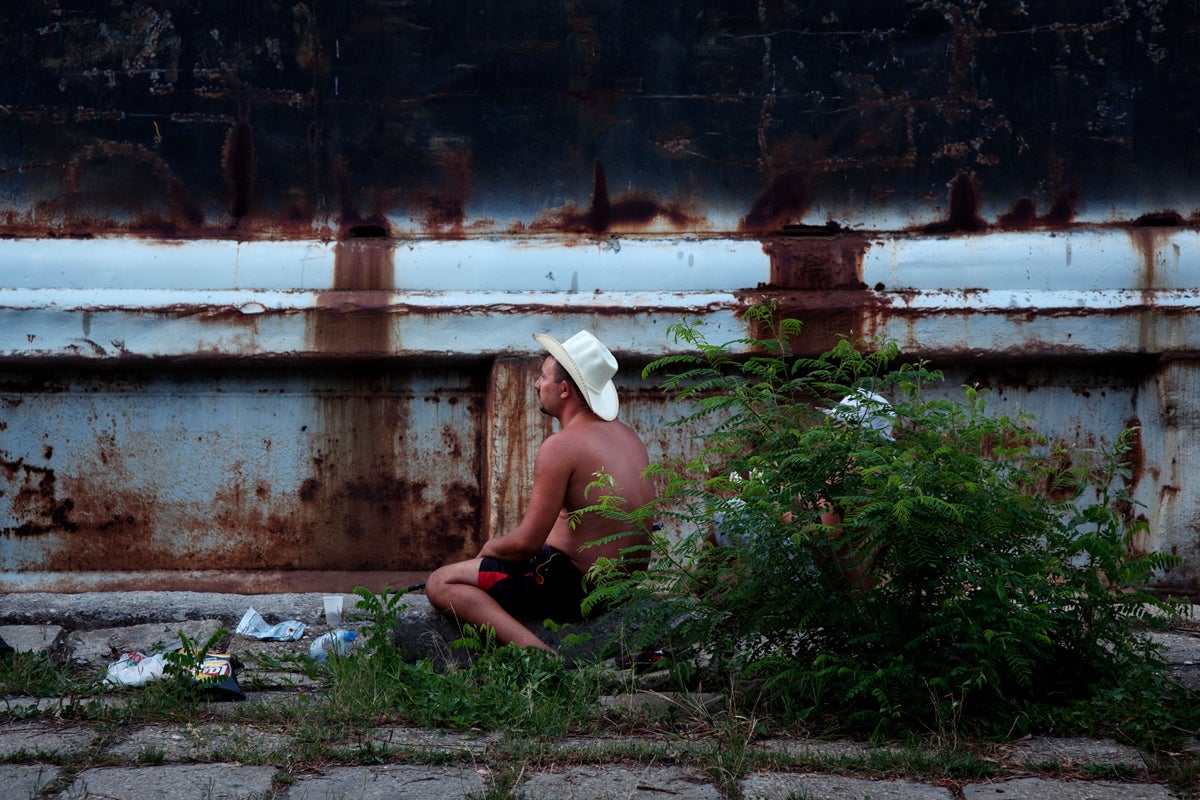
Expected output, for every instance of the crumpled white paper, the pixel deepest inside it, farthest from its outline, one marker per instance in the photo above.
(253, 624)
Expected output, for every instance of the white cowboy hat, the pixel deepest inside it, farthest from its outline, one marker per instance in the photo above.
(591, 365)
(865, 409)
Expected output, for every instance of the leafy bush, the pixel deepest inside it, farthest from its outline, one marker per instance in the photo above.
(981, 578)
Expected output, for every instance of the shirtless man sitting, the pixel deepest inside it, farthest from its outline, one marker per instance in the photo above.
(539, 568)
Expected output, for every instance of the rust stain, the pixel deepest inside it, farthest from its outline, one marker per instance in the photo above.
(1063, 210)
(446, 204)
(105, 522)
(36, 499)
(964, 208)
(373, 499)
(784, 201)
(818, 280)
(362, 509)
(512, 436)
(1149, 239)
(106, 179)
(352, 318)
(816, 263)
(309, 489)
(372, 495)
(238, 160)
(1159, 219)
(629, 212)
(1022, 215)
(826, 317)
(107, 544)
(353, 223)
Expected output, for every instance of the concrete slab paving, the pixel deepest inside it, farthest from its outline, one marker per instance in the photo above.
(432, 740)
(26, 780)
(389, 782)
(31, 638)
(818, 749)
(661, 704)
(158, 743)
(1074, 751)
(1040, 789)
(613, 745)
(176, 781)
(1177, 647)
(21, 706)
(1182, 651)
(236, 708)
(42, 739)
(618, 782)
(102, 646)
(786, 786)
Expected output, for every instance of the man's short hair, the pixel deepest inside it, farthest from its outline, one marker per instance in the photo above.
(561, 374)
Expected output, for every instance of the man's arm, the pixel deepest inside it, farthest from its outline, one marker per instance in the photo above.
(552, 470)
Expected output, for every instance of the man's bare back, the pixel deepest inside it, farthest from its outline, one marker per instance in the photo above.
(612, 449)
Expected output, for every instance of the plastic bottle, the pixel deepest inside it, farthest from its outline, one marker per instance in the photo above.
(336, 641)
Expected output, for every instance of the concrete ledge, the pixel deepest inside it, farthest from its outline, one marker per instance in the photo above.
(100, 624)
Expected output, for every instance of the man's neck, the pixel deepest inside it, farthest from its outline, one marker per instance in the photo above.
(576, 414)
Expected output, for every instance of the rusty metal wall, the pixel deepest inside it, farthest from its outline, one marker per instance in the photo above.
(221, 470)
(268, 271)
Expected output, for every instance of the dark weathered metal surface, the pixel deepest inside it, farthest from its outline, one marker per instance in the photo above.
(223, 117)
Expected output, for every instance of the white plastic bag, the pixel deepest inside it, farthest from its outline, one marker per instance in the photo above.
(253, 624)
(135, 669)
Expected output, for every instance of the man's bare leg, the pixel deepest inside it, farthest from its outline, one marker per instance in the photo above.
(454, 590)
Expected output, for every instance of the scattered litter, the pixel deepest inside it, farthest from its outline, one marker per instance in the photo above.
(217, 679)
(135, 669)
(253, 624)
(337, 642)
(333, 609)
(214, 673)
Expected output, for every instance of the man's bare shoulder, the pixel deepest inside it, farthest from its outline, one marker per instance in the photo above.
(597, 445)
(604, 433)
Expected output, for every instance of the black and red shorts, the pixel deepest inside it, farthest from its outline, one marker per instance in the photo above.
(546, 586)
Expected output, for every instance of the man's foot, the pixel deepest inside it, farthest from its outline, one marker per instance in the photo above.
(6, 649)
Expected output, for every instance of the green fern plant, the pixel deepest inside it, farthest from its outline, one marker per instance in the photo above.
(980, 576)
(183, 666)
(383, 615)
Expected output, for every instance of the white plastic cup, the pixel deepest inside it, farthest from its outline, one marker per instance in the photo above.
(333, 609)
